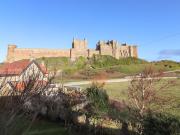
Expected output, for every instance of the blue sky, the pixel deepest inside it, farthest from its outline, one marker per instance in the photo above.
(153, 25)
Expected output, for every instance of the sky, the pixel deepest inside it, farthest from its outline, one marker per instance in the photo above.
(152, 25)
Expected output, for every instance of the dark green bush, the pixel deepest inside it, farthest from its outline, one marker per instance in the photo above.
(98, 97)
(161, 124)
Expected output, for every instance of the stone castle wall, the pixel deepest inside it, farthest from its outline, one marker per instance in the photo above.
(79, 48)
(19, 53)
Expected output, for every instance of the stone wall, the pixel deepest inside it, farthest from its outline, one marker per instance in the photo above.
(15, 53)
(91, 52)
(79, 48)
(75, 53)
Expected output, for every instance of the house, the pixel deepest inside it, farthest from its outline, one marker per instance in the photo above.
(22, 70)
(15, 88)
(15, 75)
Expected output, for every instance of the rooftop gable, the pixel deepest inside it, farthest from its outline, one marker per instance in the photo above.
(18, 67)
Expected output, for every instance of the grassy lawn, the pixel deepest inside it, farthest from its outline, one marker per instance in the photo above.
(118, 91)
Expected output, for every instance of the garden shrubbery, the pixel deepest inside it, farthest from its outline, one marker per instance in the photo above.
(98, 98)
(161, 124)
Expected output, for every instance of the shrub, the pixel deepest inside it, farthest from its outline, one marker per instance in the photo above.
(161, 124)
(89, 72)
(98, 97)
(107, 61)
(103, 61)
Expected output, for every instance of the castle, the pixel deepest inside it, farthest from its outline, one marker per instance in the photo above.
(79, 48)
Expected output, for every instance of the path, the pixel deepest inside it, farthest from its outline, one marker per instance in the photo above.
(106, 81)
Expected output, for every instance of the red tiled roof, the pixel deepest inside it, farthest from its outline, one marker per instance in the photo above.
(17, 67)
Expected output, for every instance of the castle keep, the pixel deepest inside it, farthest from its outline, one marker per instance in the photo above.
(79, 48)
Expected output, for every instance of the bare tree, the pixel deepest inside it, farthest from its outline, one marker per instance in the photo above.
(144, 94)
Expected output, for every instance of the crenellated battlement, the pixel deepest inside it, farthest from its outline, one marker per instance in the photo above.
(79, 44)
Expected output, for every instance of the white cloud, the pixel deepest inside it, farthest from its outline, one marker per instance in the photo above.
(170, 52)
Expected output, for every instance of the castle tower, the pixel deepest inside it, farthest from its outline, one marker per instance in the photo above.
(79, 48)
(79, 44)
(133, 51)
(10, 53)
(108, 48)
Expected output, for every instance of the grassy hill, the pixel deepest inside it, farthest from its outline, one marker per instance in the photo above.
(106, 66)
(103, 66)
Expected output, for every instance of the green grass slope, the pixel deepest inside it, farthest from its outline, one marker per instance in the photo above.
(109, 66)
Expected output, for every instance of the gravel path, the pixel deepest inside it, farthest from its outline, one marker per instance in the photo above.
(106, 81)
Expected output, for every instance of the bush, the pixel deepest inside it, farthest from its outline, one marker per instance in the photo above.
(107, 61)
(103, 61)
(88, 73)
(98, 97)
(161, 124)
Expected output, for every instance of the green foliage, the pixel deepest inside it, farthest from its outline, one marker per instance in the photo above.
(131, 69)
(107, 61)
(118, 91)
(161, 124)
(127, 65)
(55, 62)
(103, 61)
(98, 97)
(75, 66)
(87, 68)
(80, 62)
(64, 63)
(168, 64)
(89, 72)
(131, 60)
(70, 70)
